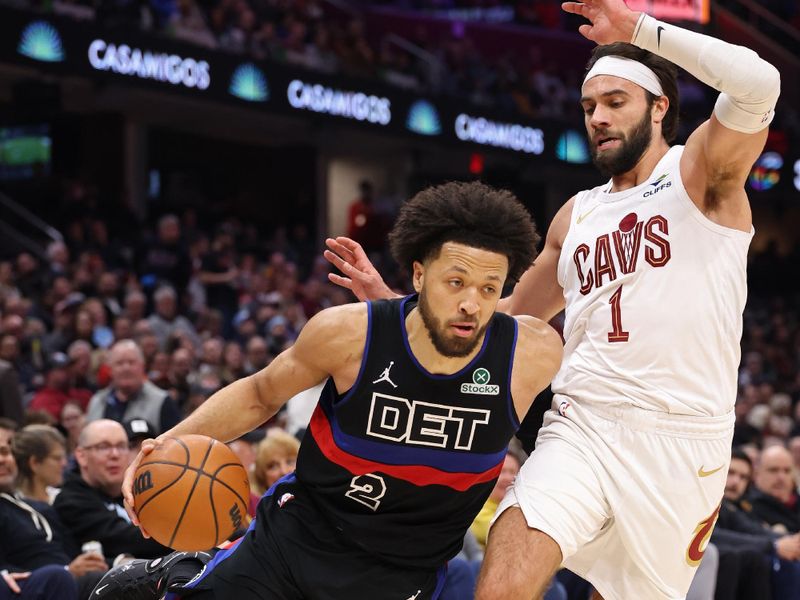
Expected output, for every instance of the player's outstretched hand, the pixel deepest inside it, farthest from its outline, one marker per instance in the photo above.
(361, 277)
(611, 20)
(127, 483)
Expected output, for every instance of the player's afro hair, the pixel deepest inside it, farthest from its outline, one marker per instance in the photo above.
(473, 214)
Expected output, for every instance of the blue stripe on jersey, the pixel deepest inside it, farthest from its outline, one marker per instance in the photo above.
(396, 454)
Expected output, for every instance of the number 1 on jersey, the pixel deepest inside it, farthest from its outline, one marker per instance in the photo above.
(617, 334)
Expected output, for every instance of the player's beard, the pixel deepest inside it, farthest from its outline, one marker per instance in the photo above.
(451, 347)
(632, 147)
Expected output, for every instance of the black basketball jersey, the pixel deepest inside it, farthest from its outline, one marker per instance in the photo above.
(403, 461)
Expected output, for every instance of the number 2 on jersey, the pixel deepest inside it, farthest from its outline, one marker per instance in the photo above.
(617, 334)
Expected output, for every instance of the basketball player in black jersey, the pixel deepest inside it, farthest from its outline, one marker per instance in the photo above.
(422, 396)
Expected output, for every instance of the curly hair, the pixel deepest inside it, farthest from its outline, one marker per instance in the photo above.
(666, 72)
(473, 214)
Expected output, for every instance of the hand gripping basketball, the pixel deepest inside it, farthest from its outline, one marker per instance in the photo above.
(189, 492)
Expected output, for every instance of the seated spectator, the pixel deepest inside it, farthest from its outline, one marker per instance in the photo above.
(275, 457)
(90, 502)
(43, 562)
(58, 389)
(774, 497)
(746, 546)
(73, 418)
(40, 452)
(166, 320)
(131, 395)
(138, 430)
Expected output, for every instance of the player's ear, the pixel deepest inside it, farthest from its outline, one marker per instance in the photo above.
(419, 276)
(659, 109)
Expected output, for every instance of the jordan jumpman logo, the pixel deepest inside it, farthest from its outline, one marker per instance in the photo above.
(385, 375)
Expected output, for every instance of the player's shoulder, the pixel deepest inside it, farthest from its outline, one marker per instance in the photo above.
(346, 323)
(538, 342)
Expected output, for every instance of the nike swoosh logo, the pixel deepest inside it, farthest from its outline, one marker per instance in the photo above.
(586, 214)
(99, 590)
(702, 473)
(659, 29)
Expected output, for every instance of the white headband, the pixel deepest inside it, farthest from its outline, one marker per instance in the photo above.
(629, 69)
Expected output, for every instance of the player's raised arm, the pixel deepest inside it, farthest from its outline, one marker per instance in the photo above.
(720, 153)
(538, 292)
(246, 403)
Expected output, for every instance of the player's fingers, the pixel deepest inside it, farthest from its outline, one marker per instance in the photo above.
(572, 7)
(586, 31)
(352, 246)
(338, 248)
(336, 260)
(345, 282)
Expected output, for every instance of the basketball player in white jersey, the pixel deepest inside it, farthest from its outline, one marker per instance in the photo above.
(629, 468)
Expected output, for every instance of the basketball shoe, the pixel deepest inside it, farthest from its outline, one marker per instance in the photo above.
(145, 579)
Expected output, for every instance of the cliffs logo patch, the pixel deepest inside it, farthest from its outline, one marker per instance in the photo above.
(480, 384)
(658, 185)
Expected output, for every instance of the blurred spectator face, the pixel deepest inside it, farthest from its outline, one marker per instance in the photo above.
(14, 325)
(142, 327)
(257, 355)
(61, 288)
(135, 305)
(123, 328)
(9, 348)
(775, 473)
(6, 272)
(103, 455)
(166, 306)
(108, 285)
(169, 230)
(50, 469)
(17, 306)
(127, 367)
(212, 352)
(160, 363)
(58, 378)
(234, 359)
(26, 264)
(72, 419)
(84, 325)
(58, 254)
(81, 356)
(506, 478)
(275, 457)
(739, 474)
(181, 364)
(149, 346)
(95, 308)
(8, 466)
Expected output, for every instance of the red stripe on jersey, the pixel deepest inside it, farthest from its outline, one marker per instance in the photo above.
(416, 474)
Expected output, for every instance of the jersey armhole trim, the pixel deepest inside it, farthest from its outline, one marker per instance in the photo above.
(512, 410)
(561, 268)
(349, 393)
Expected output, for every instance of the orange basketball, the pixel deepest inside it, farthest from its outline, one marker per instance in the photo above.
(191, 493)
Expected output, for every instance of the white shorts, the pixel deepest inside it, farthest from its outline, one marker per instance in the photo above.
(630, 495)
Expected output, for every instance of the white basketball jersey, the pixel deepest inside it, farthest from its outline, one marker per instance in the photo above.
(654, 294)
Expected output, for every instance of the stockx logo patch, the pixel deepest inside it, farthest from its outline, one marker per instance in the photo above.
(480, 384)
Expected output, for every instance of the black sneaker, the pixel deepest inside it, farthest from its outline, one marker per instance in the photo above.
(141, 579)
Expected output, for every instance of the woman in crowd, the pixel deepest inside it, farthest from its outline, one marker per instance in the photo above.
(41, 455)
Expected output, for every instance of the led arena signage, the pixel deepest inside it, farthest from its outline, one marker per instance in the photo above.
(40, 41)
(144, 64)
(486, 132)
(339, 103)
